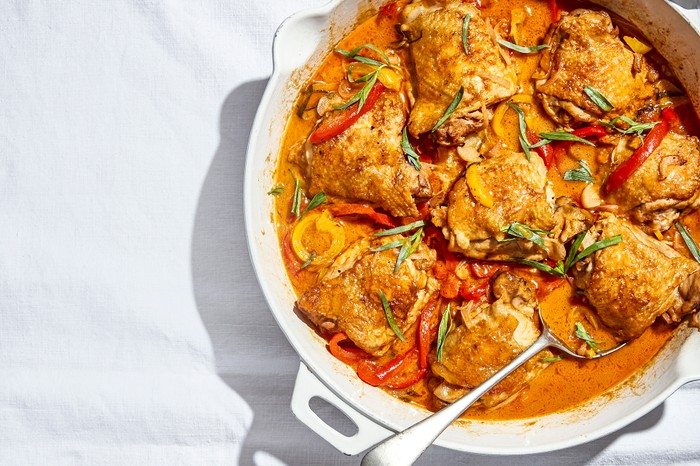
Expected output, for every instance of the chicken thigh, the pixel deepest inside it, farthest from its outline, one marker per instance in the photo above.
(347, 299)
(366, 162)
(632, 283)
(666, 185)
(585, 50)
(490, 336)
(501, 190)
(442, 66)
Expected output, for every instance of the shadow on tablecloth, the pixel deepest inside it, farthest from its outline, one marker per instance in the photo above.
(252, 354)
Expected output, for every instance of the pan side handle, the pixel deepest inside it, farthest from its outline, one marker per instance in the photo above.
(308, 386)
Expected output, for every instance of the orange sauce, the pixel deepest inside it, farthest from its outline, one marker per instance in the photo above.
(563, 384)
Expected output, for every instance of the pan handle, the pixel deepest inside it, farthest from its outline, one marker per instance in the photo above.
(308, 386)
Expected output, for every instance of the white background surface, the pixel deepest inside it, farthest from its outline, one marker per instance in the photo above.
(125, 280)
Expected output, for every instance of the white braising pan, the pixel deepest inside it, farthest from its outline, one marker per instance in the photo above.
(300, 44)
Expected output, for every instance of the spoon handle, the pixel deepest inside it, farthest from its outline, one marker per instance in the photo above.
(406, 447)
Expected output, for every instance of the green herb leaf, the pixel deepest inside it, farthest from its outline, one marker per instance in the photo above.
(392, 245)
(308, 261)
(557, 271)
(369, 79)
(355, 54)
(443, 330)
(633, 127)
(522, 136)
(569, 261)
(361, 96)
(316, 201)
(583, 335)
(597, 247)
(390, 317)
(296, 198)
(450, 109)
(556, 358)
(408, 248)
(692, 247)
(411, 155)
(580, 174)
(561, 136)
(401, 229)
(521, 48)
(598, 99)
(465, 33)
(277, 190)
(523, 231)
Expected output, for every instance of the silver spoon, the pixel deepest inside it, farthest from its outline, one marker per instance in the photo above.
(405, 447)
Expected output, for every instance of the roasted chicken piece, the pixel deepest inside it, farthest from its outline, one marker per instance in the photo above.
(490, 336)
(347, 299)
(441, 66)
(666, 186)
(366, 162)
(501, 190)
(585, 50)
(633, 282)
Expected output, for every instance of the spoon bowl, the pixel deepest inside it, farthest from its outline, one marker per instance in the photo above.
(407, 446)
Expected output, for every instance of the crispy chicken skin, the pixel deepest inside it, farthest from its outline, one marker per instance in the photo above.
(347, 299)
(632, 283)
(366, 163)
(520, 193)
(490, 336)
(441, 66)
(585, 50)
(666, 186)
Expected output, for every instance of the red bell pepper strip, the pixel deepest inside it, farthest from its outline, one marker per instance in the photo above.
(548, 285)
(629, 166)
(290, 258)
(588, 131)
(398, 383)
(427, 332)
(545, 152)
(331, 127)
(472, 291)
(347, 355)
(674, 122)
(436, 239)
(554, 8)
(340, 210)
(369, 372)
(483, 269)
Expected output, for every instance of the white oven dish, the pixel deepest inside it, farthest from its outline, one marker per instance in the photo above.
(301, 42)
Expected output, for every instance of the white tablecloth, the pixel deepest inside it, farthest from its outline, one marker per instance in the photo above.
(132, 330)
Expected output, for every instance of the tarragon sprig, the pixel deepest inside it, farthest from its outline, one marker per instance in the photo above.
(633, 127)
(520, 230)
(573, 255)
(390, 317)
(369, 79)
(408, 245)
(585, 336)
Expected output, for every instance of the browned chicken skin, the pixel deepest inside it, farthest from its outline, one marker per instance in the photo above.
(634, 282)
(490, 336)
(585, 51)
(347, 299)
(442, 66)
(521, 194)
(366, 163)
(666, 186)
